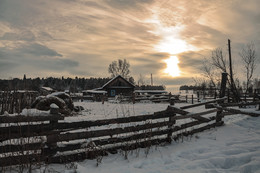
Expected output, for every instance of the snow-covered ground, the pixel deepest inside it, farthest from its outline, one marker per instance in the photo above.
(234, 147)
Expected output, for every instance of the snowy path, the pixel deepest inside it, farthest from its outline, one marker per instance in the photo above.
(234, 147)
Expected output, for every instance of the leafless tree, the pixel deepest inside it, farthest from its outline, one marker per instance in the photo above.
(119, 67)
(208, 72)
(212, 68)
(219, 61)
(249, 58)
(141, 80)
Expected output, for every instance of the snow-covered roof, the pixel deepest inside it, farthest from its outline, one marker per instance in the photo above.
(118, 76)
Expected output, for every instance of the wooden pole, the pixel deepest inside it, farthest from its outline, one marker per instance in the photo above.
(171, 123)
(230, 65)
(222, 94)
(233, 88)
(151, 79)
(192, 99)
(228, 95)
(223, 85)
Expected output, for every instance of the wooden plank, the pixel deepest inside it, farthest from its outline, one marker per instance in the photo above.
(240, 104)
(194, 115)
(113, 140)
(206, 127)
(235, 111)
(208, 106)
(190, 124)
(105, 132)
(200, 104)
(24, 147)
(200, 118)
(177, 110)
(22, 118)
(97, 152)
(46, 129)
(21, 159)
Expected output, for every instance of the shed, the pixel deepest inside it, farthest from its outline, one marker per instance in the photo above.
(118, 85)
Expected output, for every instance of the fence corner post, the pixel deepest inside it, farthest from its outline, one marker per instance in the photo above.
(52, 138)
(172, 121)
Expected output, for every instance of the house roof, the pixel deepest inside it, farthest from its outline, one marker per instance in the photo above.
(119, 76)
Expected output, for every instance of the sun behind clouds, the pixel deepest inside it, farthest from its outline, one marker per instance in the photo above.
(172, 68)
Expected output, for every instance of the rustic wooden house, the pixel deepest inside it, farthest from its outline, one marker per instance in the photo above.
(118, 85)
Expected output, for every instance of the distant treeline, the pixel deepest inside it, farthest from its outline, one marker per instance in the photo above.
(186, 87)
(150, 87)
(61, 84)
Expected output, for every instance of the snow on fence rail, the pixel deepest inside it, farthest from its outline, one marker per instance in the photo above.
(49, 139)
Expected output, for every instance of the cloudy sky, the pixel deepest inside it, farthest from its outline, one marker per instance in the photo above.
(82, 37)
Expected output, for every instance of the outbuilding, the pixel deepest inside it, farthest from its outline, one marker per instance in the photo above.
(118, 86)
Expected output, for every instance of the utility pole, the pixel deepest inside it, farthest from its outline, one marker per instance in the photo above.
(151, 79)
(230, 66)
(233, 88)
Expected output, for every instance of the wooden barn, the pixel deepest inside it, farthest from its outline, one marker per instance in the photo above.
(118, 85)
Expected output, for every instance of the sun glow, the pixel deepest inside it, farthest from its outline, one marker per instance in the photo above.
(172, 68)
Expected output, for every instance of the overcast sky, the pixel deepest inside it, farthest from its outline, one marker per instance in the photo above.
(82, 37)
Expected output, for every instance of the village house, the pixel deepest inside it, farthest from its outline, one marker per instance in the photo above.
(118, 86)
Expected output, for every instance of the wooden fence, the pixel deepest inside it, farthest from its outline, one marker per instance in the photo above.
(50, 139)
(16, 101)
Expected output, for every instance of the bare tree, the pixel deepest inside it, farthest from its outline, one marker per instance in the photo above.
(141, 80)
(119, 67)
(208, 72)
(219, 60)
(212, 69)
(249, 58)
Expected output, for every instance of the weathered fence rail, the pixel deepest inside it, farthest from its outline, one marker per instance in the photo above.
(50, 139)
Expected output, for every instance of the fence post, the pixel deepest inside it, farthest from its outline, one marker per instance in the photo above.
(186, 98)
(170, 126)
(133, 97)
(222, 94)
(228, 95)
(198, 96)
(254, 96)
(52, 138)
(192, 99)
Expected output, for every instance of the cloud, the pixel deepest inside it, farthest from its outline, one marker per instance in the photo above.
(35, 58)
(24, 36)
(82, 37)
(38, 50)
(127, 4)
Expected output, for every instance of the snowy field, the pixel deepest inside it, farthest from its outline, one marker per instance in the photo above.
(232, 148)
